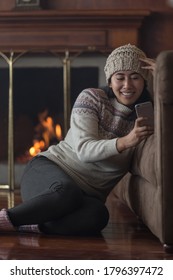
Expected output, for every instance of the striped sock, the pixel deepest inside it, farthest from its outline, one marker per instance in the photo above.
(29, 228)
(5, 223)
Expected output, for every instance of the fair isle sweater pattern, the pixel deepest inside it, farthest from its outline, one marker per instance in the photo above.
(88, 154)
(113, 117)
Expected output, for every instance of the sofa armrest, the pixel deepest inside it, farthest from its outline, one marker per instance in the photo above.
(163, 88)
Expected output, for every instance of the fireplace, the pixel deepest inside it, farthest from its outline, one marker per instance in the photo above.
(38, 102)
(56, 31)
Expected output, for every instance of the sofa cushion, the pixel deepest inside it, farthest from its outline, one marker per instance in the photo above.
(143, 163)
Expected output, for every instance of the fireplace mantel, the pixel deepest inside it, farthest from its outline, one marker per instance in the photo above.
(58, 30)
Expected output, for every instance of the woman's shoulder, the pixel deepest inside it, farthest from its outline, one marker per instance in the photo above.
(96, 93)
(92, 98)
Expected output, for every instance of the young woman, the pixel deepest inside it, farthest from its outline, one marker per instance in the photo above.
(64, 189)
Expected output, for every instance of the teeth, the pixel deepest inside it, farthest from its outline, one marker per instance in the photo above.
(127, 93)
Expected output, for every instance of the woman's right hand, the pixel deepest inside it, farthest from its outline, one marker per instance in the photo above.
(137, 134)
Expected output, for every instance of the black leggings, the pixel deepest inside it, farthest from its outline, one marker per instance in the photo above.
(52, 200)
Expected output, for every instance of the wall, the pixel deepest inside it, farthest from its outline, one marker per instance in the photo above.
(107, 4)
(156, 30)
(94, 4)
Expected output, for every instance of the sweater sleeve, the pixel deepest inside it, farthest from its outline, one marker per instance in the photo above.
(85, 117)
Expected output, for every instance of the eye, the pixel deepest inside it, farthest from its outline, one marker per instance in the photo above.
(119, 77)
(135, 77)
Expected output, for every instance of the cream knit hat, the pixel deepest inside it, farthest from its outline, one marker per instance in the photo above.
(125, 58)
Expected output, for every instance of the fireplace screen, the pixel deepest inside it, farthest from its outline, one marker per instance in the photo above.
(37, 109)
(38, 96)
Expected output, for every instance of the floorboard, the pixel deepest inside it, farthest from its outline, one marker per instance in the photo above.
(124, 238)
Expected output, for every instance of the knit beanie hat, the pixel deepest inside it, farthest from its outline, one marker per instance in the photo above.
(125, 58)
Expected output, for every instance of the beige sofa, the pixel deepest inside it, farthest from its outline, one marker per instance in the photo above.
(148, 188)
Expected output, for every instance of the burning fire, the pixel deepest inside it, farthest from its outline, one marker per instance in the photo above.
(37, 147)
(46, 132)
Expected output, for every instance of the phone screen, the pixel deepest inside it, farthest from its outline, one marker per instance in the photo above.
(145, 110)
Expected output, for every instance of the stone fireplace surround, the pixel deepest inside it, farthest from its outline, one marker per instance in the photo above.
(75, 31)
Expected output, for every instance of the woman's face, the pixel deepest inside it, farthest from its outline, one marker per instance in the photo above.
(127, 86)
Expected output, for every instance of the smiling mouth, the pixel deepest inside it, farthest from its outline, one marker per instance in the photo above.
(127, 94)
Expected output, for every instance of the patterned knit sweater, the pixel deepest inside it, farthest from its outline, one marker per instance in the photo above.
(88, 153)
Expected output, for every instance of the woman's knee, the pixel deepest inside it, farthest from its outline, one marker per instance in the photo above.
(90, 219)
(101, 217)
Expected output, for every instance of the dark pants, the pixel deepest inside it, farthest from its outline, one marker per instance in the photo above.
(54, 201)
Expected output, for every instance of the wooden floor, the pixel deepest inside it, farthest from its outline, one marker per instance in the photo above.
(123, 239)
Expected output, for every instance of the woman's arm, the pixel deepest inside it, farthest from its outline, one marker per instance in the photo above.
(85, 118)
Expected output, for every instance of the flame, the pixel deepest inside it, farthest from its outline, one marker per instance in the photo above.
(37, 148)
(47, 131)
(58, 132)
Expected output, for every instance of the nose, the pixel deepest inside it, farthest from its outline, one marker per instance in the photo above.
(127, 83)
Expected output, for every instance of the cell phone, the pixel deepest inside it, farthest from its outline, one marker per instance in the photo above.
(145, 110)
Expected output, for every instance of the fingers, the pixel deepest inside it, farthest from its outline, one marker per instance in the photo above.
(145, 131)
(150, 64)
(141, 128)
(148, 67)
(148, 61)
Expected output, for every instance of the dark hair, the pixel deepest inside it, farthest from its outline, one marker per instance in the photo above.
(145, 96)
